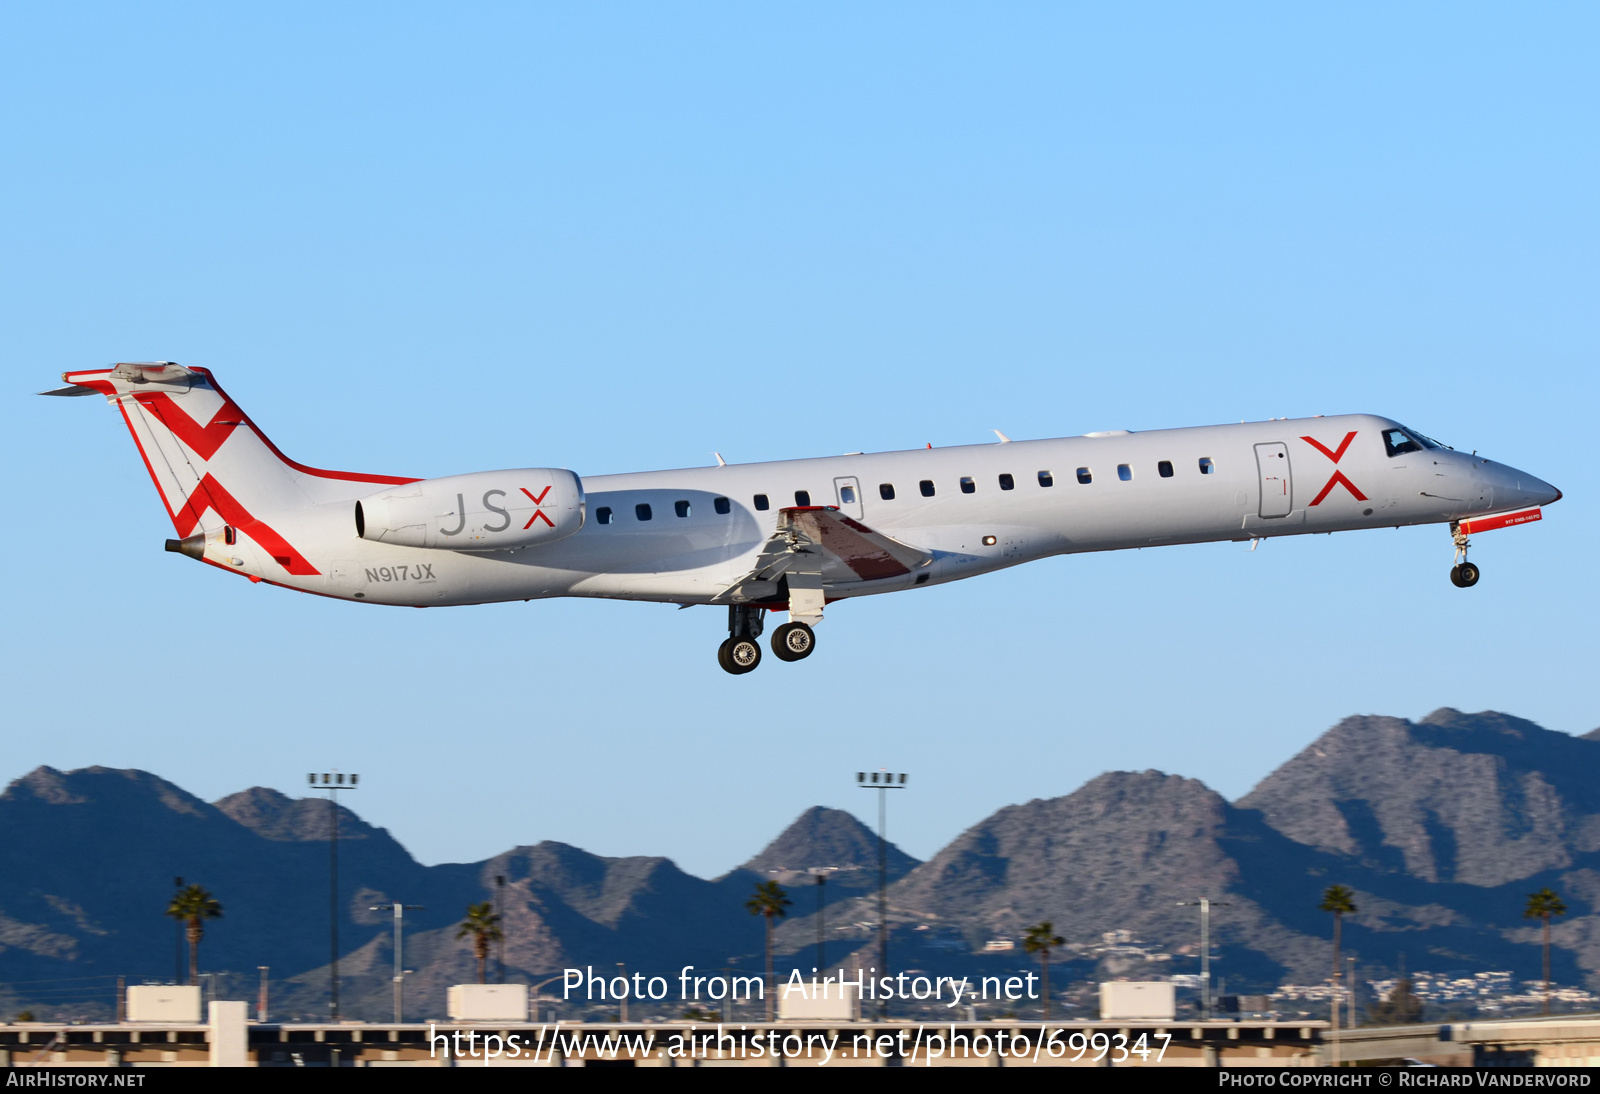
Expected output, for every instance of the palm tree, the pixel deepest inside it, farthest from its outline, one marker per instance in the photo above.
(1339, 900)
(770, 901)
(190, 906)
(1544, 905)
(1041, 940)
(483, 926)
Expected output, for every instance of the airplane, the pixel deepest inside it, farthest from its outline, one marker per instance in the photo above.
(786, 536)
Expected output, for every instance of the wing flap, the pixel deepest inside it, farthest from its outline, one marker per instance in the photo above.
(870, 555)
(821, 540)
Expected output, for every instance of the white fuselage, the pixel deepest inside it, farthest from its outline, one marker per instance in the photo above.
(1227, 482)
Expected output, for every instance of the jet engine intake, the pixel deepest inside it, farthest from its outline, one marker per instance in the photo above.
(483, 511)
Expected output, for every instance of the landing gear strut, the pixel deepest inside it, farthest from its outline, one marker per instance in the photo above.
(741, 653)
(1463, 575)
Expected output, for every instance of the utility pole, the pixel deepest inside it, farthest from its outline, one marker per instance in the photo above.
(1205, 907)
(333, 783)
(885, 783)
(399, 911)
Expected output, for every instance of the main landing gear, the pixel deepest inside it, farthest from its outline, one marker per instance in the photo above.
(741, 652)
(1463, 575)
(793, 642)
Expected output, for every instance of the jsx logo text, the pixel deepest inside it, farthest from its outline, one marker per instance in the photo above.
(505, 517)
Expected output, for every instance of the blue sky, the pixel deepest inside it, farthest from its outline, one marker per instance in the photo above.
(432, 239)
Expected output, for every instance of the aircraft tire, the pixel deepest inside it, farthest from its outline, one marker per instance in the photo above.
(1467, 575)
(739, 655)
(793, 642)
(1455, 576)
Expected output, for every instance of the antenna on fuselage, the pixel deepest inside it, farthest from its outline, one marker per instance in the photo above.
(720, 461)
(1003, 438)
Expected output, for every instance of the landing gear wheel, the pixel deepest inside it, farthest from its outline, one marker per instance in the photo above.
(793, 642)
(1455, 576)
(1465, 576)
(739, 655)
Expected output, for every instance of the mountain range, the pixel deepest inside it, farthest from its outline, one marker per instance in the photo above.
(1442, 827)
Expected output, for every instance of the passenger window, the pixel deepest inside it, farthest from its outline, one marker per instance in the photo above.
(847, 495)
(722, 506)
(1007, 482)
(927, 487)
(762, 503)
(642, 511)
(1046, 479)
(886, 491)
(968, 486)
(1206, 466)
(802, 498)
(1124, 472)
(1165, 467)
(603, 514)
(1085, 476)
(682, 508)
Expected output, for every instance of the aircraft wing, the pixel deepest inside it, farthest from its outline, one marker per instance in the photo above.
(822, 540)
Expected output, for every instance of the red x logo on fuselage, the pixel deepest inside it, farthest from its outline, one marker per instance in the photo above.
(1338, 476)
(538, 513)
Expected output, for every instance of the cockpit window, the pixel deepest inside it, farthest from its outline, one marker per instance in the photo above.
(1399, 442)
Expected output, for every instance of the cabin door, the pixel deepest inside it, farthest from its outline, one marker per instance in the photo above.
(1277, 486)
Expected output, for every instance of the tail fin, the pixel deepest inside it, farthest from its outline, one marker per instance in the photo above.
(212, 467)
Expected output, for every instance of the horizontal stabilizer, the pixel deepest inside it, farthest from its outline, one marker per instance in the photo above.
(71, 390)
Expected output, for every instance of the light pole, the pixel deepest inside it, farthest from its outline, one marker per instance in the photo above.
(1205, 907)
(261, 999)
(882, 781)
(333, 783)
(399, 911)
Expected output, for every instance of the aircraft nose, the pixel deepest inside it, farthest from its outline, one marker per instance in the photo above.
(1529, 490)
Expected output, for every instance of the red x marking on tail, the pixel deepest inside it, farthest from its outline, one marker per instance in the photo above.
(204, 440)
(1338, 476)
(538, 514)
(210, 494)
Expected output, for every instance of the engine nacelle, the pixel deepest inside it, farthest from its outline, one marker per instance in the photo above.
(484, 511)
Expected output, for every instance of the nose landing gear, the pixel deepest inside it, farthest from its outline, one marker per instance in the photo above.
(1463, 575)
